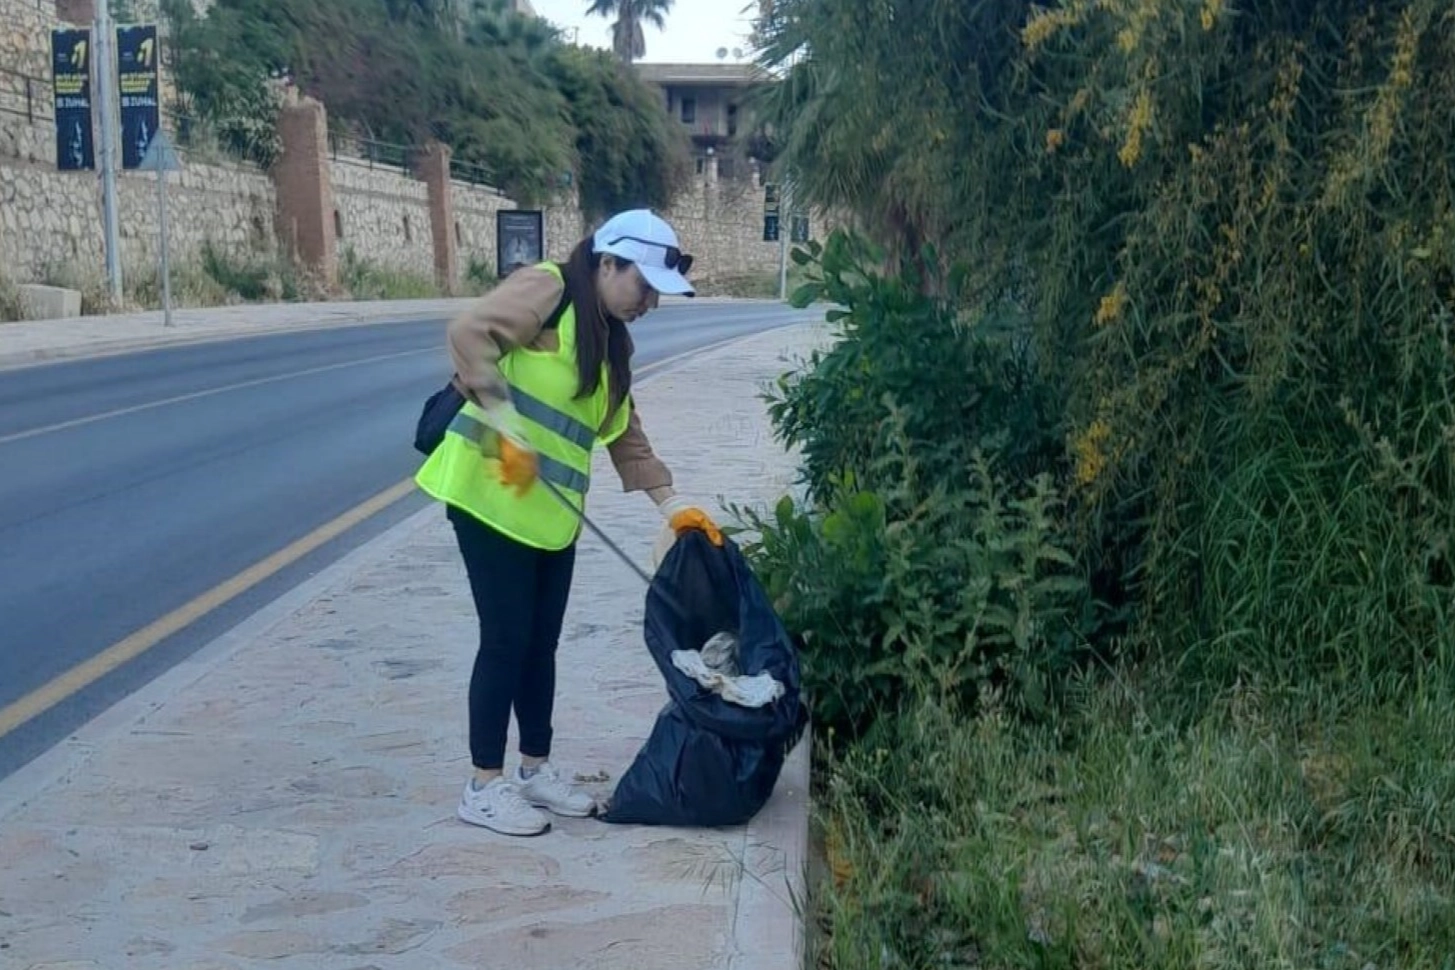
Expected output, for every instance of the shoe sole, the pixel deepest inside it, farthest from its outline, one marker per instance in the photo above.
(481, 822)
(563, 813)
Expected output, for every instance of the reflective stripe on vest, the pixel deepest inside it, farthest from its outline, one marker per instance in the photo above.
(557, 473)
(549, 418)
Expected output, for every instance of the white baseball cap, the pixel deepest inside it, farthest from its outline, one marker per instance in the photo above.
(644, 238)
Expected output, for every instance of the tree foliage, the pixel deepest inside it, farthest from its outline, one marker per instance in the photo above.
(1227, 229)
(494, 86)
(619, 120)
(628, 38)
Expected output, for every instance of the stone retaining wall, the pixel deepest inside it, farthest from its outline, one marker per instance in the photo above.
(721, 224)
(50, 222)
(383, 217)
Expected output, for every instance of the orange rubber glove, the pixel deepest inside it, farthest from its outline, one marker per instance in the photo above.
(681, 516)
(519, 467)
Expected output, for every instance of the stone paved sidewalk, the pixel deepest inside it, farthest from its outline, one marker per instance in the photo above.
(286, 798)
(37, 341)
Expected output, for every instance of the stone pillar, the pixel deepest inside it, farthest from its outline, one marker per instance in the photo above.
(78, 12)
(434, 170)
(304, 186)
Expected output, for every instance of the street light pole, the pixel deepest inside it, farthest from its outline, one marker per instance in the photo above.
(103, 44)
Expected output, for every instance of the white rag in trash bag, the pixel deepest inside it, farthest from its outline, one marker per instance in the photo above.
(715, 667)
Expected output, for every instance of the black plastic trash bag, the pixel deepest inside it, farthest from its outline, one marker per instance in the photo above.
(710, 762)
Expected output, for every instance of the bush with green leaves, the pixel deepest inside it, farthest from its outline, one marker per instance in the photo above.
(927, 558)
(1230, 225)
(957, 385)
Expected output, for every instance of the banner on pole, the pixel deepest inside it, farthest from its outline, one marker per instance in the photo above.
(771, 213)
(801, 233)
(71, 67)
(138, 82)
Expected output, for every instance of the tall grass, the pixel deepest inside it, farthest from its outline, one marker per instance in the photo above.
(1272, 831)
(366, 280)
(9, 299)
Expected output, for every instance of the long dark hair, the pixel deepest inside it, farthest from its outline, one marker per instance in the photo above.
(599, 338)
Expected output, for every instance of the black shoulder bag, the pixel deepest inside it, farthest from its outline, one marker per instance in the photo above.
(442, 406)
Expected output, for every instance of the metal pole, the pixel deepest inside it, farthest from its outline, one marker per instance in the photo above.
(785, 211)
(165, 255)
(102, 45)
(667, 597)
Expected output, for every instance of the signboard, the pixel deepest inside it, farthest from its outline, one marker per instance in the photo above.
(71, 64)
(138, 84)
(800, 233)
(160, 156)
(519, 240)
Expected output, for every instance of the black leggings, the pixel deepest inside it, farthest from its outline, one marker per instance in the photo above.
(520, 596)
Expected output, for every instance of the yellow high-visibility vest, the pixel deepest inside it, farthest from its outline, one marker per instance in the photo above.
(563, 430)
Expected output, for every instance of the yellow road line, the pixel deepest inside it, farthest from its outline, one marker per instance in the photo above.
(209, 392)
(83, 675)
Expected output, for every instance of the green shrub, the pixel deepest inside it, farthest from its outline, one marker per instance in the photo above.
(1317, 556)
(1230, 227)
(479, 276)
(217, 277)
(1227, 231)
(927, 559)
(953, 387)
(252, 280)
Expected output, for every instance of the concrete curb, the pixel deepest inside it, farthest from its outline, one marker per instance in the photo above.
(768, 927)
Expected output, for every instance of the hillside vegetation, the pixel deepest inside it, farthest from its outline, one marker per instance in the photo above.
(503, 91)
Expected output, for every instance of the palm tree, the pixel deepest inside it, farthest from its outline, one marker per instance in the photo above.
(627, 38)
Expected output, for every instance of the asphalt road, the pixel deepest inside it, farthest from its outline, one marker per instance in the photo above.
(131, 485)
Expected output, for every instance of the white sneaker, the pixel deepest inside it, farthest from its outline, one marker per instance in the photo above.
(547, 789)
(499, 808)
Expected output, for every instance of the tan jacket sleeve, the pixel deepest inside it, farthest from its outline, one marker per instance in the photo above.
(639, 467)
(509, 316)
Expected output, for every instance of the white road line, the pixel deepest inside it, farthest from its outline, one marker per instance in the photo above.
(181, 398)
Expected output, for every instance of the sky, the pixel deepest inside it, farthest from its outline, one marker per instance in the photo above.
(695, 29)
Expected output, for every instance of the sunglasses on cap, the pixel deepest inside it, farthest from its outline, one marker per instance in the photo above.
(676, 258)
